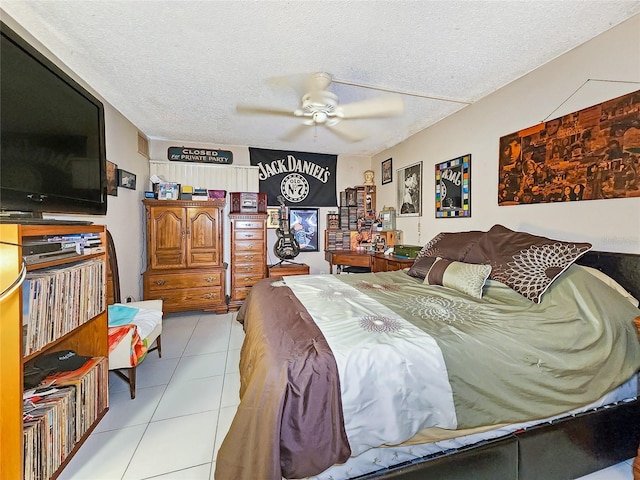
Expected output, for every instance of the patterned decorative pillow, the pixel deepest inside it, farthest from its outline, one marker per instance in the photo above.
(527, 263)
(421, 267)
(451, 245)
(467, 278)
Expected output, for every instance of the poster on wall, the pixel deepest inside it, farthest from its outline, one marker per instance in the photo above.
(303, 179)
(409, 190)
(453, 188)
(591, 154)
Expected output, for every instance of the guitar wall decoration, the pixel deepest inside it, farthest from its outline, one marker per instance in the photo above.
(286, 247)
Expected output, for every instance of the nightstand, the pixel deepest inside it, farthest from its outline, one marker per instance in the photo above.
(285, 269)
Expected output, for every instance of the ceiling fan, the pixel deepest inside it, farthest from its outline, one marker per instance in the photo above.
(321, 107)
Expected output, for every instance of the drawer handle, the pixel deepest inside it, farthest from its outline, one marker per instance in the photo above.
(248, 268)
(249, 257)
(248, 235)
(248, 278)
(210, 279)
(160, 282)
(209, 296)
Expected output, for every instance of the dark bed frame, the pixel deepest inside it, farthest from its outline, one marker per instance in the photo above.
(561, 450)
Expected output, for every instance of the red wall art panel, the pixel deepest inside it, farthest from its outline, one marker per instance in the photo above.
(591, 154)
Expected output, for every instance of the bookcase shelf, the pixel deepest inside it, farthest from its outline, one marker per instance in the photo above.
(89, 339)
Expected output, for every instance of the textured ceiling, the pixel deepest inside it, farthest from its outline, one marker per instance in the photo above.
(178, 69)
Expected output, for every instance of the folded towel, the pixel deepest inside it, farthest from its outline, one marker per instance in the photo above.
(121, 314)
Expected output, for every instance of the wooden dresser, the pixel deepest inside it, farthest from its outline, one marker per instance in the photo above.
(248, 254)
(184, 242)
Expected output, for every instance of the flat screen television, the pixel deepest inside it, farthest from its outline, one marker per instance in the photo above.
(52, 137)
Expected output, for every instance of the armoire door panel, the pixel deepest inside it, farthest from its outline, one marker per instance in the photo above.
(168, 235)
(203, 237)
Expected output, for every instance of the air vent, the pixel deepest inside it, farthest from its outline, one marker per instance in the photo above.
(143, 145)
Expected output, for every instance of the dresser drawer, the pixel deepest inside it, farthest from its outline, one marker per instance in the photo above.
(248, 225)
(170, 281)
(248, 257)
(241, 293)
(247, 279)
(248, 235)
(253, 268)
(188, 299)
(248, 246)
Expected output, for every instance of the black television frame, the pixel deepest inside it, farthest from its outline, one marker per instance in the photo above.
(23, 205)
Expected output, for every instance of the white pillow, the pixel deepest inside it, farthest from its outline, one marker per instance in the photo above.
(467, 278)
(612, 283)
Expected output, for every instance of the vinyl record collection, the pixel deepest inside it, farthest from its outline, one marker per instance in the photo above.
(57, 415)
(57, 300)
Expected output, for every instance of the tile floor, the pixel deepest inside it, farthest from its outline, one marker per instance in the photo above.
(183, 408)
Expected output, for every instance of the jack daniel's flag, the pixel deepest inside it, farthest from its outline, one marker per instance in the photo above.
(303, 179)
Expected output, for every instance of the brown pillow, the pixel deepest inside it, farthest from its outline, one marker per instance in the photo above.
(527, 263)
(421, 267)
(451, 245)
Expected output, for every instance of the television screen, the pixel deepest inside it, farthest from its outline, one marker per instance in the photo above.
(52, 156)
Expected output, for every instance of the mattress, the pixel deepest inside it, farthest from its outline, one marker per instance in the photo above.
(382, 458)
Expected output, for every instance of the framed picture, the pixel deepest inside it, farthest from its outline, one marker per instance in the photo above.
(387, 172)
(453, 188)
(112, 179)
(409, 190)
(126, 179)
(304, 225)
(273, 217)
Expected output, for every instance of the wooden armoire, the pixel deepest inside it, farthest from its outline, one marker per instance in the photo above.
(184, 243)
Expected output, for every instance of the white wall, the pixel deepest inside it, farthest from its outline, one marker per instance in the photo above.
(612, 225)
(124, 212)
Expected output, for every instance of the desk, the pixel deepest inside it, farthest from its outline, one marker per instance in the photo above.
(377, 262)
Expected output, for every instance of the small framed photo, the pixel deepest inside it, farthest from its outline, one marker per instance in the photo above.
(387, 172)
(112, 179)
(273, 217)
(409, 190)
(303, 222)
(126, 179)
(453, 188)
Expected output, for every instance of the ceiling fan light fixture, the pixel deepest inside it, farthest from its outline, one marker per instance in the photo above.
(313, 101)
(320, 107)
(320, 117)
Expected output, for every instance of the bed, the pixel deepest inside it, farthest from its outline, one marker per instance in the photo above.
(495, 353)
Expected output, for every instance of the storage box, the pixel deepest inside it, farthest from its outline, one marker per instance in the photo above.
(406, 251)
(168, 191)
(217, 194)
(186, 192)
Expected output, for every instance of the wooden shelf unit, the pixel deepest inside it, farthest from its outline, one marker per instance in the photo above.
(89, 339)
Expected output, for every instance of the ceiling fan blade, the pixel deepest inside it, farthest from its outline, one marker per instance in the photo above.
(295, 132)
(302, 82)
(347, 131)
(249, 109)
(375, 107)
